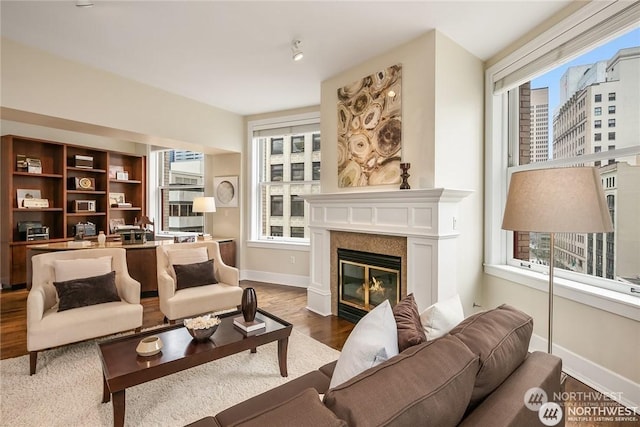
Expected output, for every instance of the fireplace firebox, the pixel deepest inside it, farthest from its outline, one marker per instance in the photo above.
(366, 280)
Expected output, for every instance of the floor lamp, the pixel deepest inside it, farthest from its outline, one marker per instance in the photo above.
(559, 200)
(204, 205)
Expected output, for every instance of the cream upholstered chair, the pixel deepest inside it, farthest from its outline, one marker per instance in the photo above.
(47, 327)
(176, 303)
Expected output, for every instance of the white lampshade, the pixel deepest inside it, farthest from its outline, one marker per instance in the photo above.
(204, 204)
(559, 200)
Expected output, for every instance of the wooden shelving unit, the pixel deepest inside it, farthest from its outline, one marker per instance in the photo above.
(56, 183)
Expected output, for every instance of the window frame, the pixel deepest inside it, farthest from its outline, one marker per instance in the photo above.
(253, 162)
(591, 25)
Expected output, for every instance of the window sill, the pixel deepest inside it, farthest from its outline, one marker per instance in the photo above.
(280, 245)
(603, 299)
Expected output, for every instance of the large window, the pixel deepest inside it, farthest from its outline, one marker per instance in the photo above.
(282, 179)
(179, 177)
(595, 259)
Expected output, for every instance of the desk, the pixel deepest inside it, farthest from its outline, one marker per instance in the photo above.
(141, 258)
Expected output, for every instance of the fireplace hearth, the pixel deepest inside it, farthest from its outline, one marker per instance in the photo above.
(366, 280)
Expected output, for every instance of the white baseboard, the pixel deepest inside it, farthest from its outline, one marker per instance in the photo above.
(613, 385)
(277, 278)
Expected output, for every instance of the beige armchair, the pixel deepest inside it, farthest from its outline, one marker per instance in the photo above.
(47, 327)
(180, 303)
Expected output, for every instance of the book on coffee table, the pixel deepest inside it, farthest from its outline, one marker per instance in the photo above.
(248, 326)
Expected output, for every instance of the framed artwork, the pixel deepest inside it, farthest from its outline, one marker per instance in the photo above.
(370, 129)
(225, 190)
(114, 223)
(113, 171)
(115, 198)
(26, 194)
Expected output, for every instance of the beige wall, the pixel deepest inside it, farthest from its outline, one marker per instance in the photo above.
(225, 222)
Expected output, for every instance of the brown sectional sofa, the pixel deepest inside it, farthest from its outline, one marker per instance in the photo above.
(477, 375)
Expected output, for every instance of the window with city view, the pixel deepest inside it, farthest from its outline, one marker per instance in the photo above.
(286, 158)
(180, 178)
(601, 86)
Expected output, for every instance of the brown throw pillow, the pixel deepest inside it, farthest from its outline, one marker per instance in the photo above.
(410, 330)
(192, 275)
(87, 291)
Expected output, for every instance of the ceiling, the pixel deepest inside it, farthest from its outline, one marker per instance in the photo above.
(236, 55)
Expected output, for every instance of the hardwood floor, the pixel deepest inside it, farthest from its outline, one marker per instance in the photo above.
(286, 302)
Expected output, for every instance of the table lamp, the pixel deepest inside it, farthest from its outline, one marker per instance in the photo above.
(204, 205)
(558, 200)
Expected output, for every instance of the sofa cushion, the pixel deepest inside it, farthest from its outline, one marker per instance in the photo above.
(439, 318)
(410, 331)
(302, 410)
(500, 337)
(186, 256)
(87, 291)
(373, 340)
(69, 269)
(427, 384)
(196, 274)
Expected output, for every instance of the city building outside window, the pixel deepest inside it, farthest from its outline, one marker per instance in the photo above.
(588, 259)
(281, 180)
(276, 145)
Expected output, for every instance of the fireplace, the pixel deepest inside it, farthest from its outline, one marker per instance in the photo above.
(366, 280)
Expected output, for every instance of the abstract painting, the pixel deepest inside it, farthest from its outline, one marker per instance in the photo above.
(370, 129)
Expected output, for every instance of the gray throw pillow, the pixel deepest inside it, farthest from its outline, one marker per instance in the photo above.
(192, 275)
(87, 291)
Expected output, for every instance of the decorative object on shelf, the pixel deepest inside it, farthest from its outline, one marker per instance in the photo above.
(21, 163)
(184, 239)
(370, 129)
(247, 327)
(33, 230)
(34, 165)
(82, 229)
(115, 199)
(122, 176)
(225, 189)
(113, 171)
(82, 183)
(202, 327)
(84, 206)
(84, 162)
(405, 176)
(541, 201)
(102, 238)
(149, 346)
(28, 198)
(249, 304)
(115, 223)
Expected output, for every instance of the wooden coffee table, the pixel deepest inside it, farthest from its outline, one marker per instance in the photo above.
(123, 368)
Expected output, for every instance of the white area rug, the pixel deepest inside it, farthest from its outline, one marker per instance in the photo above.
(67, 387)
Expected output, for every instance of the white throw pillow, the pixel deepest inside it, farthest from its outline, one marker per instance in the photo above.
(373, 340)
(186, 256)
(79, 268)
(441, 317)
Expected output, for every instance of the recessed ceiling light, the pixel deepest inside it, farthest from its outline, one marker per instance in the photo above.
(295, 49)
(84, 3)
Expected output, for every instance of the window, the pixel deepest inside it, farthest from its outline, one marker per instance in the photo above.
(279, 183)
(276, 172)
(297, 232)
(297, 206)
(179, 177)
(612, 123)
(316, 142)
(584, 260)
(276, 145)
(598, 97)
(297, 171)
(612, 136)
(297, 144)
(276, 206)
(612, 96)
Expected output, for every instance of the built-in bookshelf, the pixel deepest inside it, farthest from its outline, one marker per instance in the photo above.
(70, 185)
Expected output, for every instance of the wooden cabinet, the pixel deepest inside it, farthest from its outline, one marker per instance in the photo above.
(228, 252)
(77, 190)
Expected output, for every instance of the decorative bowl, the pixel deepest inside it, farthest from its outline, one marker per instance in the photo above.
(201, 328)
(149, 346)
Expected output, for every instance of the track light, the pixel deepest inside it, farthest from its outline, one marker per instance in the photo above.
(295, 49)
(84, 3)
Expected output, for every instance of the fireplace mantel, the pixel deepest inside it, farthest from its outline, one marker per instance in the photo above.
(426, 217)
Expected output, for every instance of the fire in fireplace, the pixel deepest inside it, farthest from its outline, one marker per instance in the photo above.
(366, 280)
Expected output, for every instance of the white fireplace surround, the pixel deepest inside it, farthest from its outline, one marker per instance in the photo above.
(426, 217)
